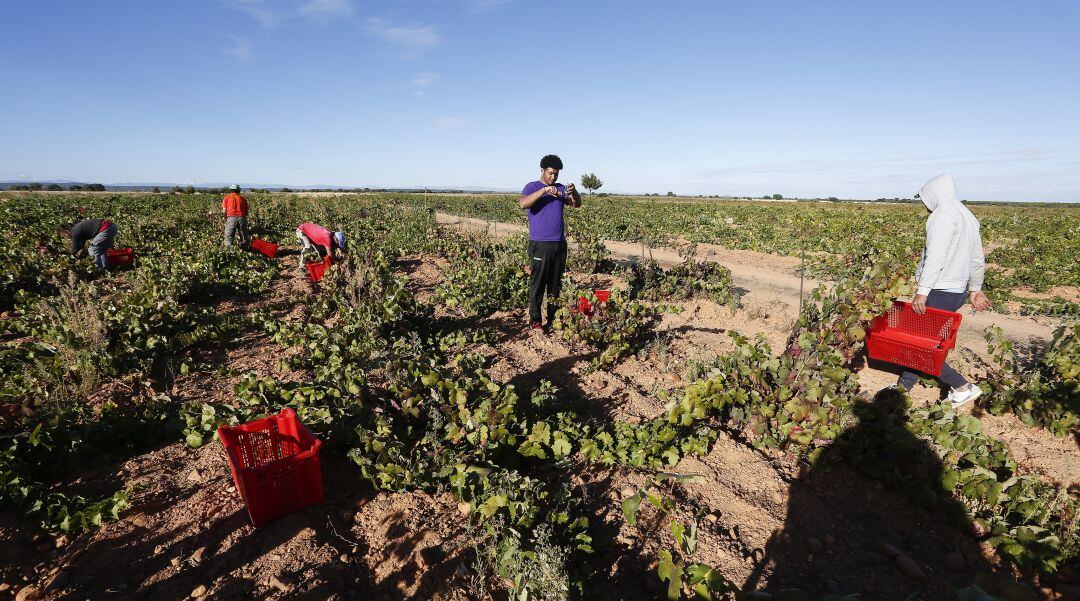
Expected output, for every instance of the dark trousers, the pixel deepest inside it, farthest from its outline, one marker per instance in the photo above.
(548, 261)
(949, 301)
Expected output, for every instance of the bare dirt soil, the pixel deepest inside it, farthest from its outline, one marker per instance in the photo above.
(765, 520)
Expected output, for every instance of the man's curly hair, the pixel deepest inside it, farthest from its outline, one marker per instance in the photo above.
(551, 161)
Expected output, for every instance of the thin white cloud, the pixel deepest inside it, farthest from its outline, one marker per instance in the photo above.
(241, 49)
(408, 39)
(262, 11)
(324, 10)
(862, 164)
(1048, 172)
(422, 81)
(450, 122)
(480, 6)
(272, 13)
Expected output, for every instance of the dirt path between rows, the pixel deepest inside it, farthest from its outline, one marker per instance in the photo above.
(753, 270)
(769, 288)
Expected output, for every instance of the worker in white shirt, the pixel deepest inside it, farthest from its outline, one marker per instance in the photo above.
(951, 269)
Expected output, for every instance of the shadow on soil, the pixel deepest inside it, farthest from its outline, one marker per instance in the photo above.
(847, 533)
(620, 569)
(297, 556)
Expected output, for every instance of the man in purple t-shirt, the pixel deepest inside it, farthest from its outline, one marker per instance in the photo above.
(543, 202)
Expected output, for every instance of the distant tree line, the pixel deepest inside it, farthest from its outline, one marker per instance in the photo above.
(37, 186)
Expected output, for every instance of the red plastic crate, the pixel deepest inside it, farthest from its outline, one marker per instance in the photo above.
(267, 248)
(920, 342)
(275, 465)
(318, 270)
(586, 307)
(120, 256)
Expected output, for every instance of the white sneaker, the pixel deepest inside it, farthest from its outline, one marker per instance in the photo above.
(962, 396)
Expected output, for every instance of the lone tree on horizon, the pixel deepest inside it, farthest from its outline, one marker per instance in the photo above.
(590, 182)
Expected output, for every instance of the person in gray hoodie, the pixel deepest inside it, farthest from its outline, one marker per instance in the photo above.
(952, 267)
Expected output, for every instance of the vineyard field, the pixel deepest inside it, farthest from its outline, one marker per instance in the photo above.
(713, 431)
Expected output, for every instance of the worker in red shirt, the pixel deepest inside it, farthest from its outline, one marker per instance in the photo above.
(318, 238)
(235, 208)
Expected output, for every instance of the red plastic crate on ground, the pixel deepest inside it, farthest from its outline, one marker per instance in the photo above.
(267, 248)
(919, 342)
(120, 256)
(275, 465)
(318, 270)
(586, 307)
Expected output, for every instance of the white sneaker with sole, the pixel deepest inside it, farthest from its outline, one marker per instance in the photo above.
(962, 396)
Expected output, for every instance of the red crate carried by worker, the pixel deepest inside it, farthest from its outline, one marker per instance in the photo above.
(920, 342)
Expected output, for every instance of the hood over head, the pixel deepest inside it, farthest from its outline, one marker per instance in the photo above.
(938, 191)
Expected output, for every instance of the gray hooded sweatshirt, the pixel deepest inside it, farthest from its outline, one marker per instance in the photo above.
(953, 257)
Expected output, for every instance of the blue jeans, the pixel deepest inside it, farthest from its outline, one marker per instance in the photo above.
(100, 244)
(236, 225)
(949, 301)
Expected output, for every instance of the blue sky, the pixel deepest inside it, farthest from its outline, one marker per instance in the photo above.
(849, 99)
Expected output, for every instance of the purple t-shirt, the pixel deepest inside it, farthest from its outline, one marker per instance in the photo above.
(545, 216)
